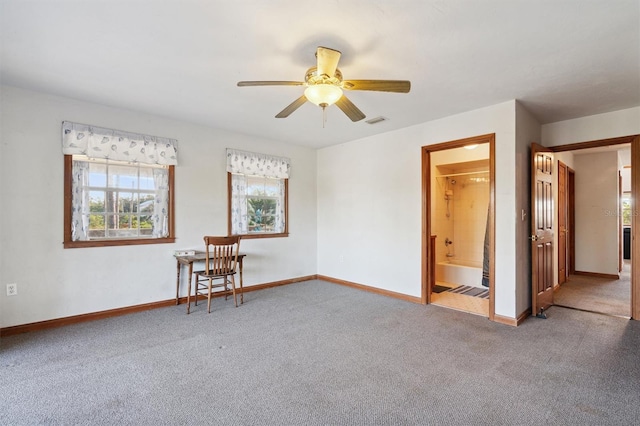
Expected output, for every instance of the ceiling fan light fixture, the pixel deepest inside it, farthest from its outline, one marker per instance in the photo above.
(323, 94)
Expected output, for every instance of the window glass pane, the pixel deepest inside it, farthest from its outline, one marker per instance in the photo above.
(97, 174)
(127, 221)
(261, 214)
(146, 181)
(271, 187)
(255, 186)
(626, 211)
(96, 202)
(146, 203)
(127, 202)
(125, 177)
(96, 225)
(146, 225)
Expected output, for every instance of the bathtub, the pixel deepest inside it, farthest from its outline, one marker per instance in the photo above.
(460, 272)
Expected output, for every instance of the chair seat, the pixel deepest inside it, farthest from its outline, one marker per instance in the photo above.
(216, 275)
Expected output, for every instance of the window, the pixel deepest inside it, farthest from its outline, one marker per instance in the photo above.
(626, 209)
(109, 201)
(258, 195)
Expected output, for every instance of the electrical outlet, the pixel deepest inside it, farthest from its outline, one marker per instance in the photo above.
(12, 289)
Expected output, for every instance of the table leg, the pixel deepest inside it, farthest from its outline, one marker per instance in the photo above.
(178, 284)
(189, 288)
(241, 288)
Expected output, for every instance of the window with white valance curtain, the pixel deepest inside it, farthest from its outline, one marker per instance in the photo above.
(258, 186)
(118, 187)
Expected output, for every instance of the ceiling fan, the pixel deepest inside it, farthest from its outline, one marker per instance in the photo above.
(325, 84)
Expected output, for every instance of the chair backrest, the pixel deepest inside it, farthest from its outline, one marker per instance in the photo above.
(221, 254)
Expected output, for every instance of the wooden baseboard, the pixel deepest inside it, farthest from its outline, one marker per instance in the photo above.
(375, 290)
(75, 319)
(60, 322)
(514, 322)
(597, 275)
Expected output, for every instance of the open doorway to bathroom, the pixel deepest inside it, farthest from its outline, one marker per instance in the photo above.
(459, 203)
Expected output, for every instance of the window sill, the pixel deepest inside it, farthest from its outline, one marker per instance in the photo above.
(252, 236)
(112, 243)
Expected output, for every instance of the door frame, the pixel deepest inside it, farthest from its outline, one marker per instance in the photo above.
(563, 220)
(571, 220)
(428, 272)
(634, 141)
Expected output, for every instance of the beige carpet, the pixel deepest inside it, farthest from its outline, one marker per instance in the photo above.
(612, 297)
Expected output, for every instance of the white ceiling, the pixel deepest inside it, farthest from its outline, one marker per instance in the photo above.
(182, 59)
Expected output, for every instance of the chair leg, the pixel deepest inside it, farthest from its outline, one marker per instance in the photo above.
(189, 298)
(209, 298)
(233, 287)
(196, 291)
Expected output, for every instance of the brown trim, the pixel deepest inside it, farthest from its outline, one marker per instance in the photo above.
(426, 212)
(370, 289)
(75, 319)
(597, 275)
(514, 322)
(492, 226)
(426, 272)
(280, 283)
(255, 236)
(112, 243)
(459, 143)
(635, 231)
(620, 227)
(593, 144)
(68, 194)
(571, 220)
(68, 189)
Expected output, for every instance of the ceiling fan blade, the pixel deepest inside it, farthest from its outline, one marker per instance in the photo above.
(350, 109)
(270, 83)
(398, 86)
(327, 60)
(292, 107)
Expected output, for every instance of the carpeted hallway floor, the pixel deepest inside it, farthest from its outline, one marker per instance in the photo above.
(316, 353)
(611, 297)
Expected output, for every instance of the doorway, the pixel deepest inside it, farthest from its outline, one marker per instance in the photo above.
(458, 222)
(595, 265)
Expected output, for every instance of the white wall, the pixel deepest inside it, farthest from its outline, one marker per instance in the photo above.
(54, 282)
(527, 131)
(370, 203)
(596, 197)
(594, 127)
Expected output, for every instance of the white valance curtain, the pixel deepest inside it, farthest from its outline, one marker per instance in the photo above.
(99, 142)
(242, 164)
(253, 164)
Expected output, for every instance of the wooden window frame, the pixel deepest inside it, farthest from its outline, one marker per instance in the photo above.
(69, 243)
(285, 233)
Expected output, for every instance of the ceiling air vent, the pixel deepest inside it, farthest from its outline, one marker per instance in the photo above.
(376, 120)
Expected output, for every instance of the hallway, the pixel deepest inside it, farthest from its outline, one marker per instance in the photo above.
(601, 295)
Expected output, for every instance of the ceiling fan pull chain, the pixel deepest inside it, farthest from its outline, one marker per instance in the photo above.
(324, 116)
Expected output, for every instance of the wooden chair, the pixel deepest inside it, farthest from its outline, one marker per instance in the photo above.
(220, 265)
